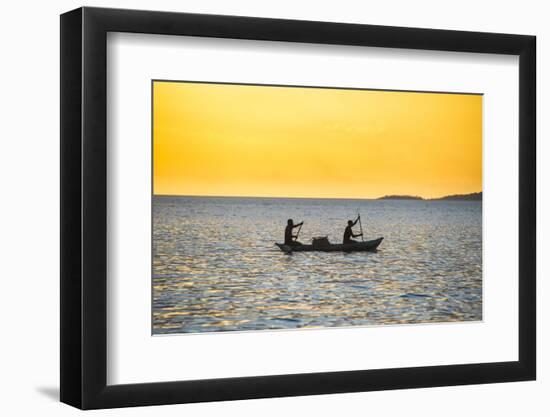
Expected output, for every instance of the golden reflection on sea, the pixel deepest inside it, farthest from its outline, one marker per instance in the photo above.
(216, 268)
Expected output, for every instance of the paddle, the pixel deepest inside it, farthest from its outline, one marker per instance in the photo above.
(298, 234)
(360, 226)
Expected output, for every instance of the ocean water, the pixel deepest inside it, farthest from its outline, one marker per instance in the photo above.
(216, 267)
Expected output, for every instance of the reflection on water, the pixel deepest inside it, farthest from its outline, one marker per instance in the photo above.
(216, 268)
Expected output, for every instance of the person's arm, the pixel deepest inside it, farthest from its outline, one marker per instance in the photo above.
(357, 235)
(356, 220)
(296, 225)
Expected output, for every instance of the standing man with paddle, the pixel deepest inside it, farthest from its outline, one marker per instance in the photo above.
(290, 238)
(348, 233)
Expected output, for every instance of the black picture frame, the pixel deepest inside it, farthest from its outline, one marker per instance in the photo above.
(84, 207)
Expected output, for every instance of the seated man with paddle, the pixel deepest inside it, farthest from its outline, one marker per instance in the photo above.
(348, 233)
(291, 239)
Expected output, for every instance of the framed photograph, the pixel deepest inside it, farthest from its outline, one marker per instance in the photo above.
(259, 208)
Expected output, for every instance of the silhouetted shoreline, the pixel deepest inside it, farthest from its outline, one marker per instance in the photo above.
(400, 197)
(454, 197)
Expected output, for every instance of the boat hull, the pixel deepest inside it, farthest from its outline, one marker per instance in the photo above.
(370, 245)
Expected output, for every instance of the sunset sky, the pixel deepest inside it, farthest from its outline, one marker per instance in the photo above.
(240, 140)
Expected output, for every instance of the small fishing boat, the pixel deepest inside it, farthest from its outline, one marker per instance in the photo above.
(323, 245)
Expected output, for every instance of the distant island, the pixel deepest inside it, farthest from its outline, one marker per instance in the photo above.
(400, 197)
(462, 197)
(454, 197)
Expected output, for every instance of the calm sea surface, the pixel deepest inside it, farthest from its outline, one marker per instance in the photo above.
(216, 268)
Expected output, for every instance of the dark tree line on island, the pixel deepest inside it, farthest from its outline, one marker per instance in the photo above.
(454, 197)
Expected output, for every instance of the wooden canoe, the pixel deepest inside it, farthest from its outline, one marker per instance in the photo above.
(369, 245)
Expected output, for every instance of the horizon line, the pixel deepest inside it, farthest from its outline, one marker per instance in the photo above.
(318, 198)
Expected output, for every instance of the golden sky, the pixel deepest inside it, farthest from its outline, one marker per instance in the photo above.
(241, 140)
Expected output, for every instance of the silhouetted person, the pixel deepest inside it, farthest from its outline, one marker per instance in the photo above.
(289, 237)
(348, 233)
